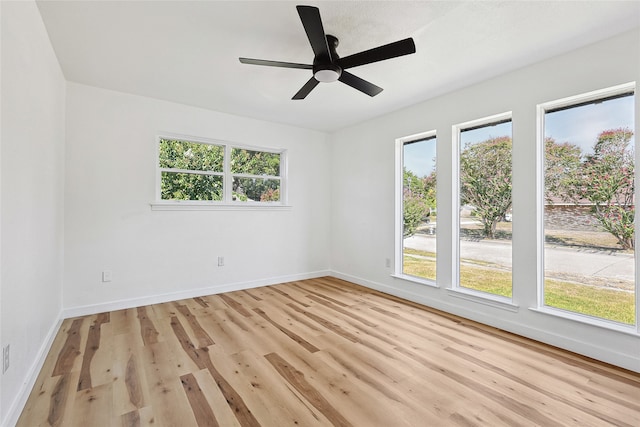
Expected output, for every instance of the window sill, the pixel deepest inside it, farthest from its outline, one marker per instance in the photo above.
(217, 206)
(416, 279)
(581, 318)
(484, 298)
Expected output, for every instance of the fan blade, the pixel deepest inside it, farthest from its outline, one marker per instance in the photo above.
(360, 84)
(275, 63)
(312, 23)
(380, 53)
(308, 87)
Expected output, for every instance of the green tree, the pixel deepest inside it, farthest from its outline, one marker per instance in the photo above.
(415, 206)
(429, 184)
(607, 181)
(485, 181)
(562, 164)
(177, 154)
(270, 196)
(261, 165)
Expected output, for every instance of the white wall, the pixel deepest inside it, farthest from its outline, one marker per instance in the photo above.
(155, 255)
(32, 165)
(363, 191)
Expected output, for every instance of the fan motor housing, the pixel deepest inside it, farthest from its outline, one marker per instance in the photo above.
(325, 69)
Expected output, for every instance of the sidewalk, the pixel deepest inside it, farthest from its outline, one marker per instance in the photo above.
(581, 262)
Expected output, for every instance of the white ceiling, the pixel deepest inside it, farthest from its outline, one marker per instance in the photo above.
(187, 51)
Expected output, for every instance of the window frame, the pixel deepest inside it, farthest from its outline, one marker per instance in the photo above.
(456, 289)
(399, 208)
(555, 105)
(227, 202)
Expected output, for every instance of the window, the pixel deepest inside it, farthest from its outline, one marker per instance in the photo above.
(588, 205)
(191, 170)
(210, 171)
(484, 206)
(417, 232)
(256, 175)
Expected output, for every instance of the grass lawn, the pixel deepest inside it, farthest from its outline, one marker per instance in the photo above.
(608, 304)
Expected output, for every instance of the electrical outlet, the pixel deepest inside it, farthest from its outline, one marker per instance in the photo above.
(220, 261)
(387, 262)
(5, 358)
(106, 276)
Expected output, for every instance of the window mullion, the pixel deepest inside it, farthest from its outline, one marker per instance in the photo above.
(228, 180)
(191, 171)
(248, 175)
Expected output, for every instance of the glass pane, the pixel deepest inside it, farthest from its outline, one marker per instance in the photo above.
(188, 186)
(256, 190)
(589, 254)
(419, 208)
(255, 162)
(178, 154)
(485, 209)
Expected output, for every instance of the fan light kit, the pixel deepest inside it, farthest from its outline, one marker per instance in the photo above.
(327, 76)
(327, 65)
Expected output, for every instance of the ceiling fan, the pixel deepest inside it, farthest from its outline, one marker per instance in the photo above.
(327, 65)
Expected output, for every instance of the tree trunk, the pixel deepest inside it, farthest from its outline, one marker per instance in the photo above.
(489, 229)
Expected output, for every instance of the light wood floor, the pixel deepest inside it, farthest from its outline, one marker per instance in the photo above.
(315, 353)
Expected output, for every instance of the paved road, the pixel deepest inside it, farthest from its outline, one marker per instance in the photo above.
(597, 264)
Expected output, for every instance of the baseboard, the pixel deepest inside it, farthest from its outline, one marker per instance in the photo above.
(32, 375)
(553, 338)
(191, 293)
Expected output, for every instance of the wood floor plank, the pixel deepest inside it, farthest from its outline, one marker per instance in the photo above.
(266, 394)
(346, 395)
(217, 401)
(297, 379)
(148, 330)
(295, 337)
(201, 358)
(201, 336)
(197, 400)
(131, 419)
(70, 351)
(126, 322)
(223, 330)
(166, 395)
(291, 298)
(94, 404)
(130, 389)
(58, 402)
(315, 352)
(92, 346)
(234, 304)
(142, 417)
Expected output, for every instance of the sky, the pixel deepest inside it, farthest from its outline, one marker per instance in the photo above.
(580, 126)
(420, 156)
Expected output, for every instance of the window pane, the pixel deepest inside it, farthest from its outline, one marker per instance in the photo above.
(589, 209)
(176, 154)
(485, 208)
(419, 208)
(188, 186)
(255, 162)
(256, 189)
